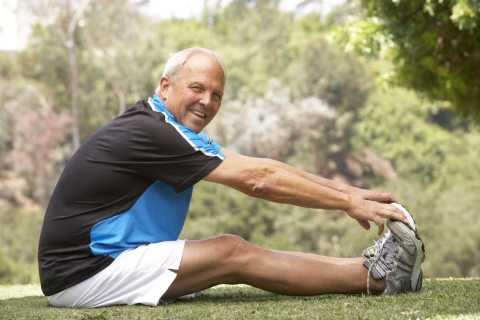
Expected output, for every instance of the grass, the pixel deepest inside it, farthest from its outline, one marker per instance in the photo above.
(439, 299)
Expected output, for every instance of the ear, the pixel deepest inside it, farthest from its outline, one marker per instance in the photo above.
(165, 86)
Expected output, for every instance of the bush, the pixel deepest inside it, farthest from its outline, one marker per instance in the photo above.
(19, 234)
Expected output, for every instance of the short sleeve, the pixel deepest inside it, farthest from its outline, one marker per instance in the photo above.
(145, 142)
(210, 145)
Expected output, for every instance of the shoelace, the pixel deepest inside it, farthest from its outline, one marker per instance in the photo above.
(386, 257)
(379, 244)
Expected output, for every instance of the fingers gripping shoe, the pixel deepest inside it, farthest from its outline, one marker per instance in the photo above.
(409, 216)
(413, 250)
(370, 251)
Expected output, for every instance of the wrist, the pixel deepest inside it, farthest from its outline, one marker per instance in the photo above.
(347, 203)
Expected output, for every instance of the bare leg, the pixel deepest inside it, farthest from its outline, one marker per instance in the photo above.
(232, 260)
(337, 261)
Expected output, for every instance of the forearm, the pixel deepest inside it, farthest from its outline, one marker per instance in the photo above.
(302, 174)
(310, 177)
(281, 186)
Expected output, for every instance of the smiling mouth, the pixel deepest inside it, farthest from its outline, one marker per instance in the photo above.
(198, 113)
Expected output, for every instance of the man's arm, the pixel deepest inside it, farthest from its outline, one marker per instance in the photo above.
(276, 184)
(351, 191)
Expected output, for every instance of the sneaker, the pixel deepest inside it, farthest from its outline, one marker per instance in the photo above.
(370, 251)
(398, 259)
(385, 264)
(414, 249)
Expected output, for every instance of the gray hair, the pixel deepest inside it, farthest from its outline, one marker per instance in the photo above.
(174, 65)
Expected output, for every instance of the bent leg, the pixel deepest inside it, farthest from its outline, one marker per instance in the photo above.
(232, 260)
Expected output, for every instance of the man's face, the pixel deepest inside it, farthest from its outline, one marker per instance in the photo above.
(196, 97)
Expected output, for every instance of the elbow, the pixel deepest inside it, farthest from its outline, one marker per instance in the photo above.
(260, 183)
(259, 188)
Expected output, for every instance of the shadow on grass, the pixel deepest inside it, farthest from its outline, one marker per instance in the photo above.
(247, 297)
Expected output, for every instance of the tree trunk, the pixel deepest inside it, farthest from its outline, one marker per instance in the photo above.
(68, 40)
(121, 100)
(74, 94)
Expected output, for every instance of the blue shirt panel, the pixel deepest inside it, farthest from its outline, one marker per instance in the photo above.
(158, 215)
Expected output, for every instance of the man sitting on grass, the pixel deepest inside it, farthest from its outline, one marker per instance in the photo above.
(110, 234)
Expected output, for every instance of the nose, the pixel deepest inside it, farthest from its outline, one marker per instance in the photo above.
(206, 99)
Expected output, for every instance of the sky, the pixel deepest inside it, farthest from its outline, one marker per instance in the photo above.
(14, 24)
(187, 8)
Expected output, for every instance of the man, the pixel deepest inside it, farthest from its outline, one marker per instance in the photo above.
(111, 228)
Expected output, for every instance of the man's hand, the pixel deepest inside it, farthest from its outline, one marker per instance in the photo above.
(366, 210)
(370, 195)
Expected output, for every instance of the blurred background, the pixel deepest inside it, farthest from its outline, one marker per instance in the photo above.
(378, 94)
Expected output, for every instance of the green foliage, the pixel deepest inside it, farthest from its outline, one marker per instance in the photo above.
(395, 125)
(326, 72)
(449, 207)
(439, 299)
(434, 44)
(20, 231)
(217, 210)
(112, 58)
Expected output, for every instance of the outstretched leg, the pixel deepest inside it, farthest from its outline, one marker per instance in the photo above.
(337, 261)
(232, 260)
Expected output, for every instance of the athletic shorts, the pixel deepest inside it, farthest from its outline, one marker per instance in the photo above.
(137, 276)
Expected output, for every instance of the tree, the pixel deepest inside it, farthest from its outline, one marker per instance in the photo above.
(109, 58)
(394, 124)
(68, 41)
(434, 44)
(324, 71)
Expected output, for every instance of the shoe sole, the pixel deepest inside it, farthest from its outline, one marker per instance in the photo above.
(407, 234)
(419, 284)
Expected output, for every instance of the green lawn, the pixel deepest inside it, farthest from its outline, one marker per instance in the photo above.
(439, 299)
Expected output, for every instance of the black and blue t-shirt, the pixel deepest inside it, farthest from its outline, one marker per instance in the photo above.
(129, 184)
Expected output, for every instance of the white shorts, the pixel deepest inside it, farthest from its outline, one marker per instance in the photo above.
(137, 276)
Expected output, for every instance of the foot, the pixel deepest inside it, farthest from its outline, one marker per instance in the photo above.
(398, 259)
(414, 250)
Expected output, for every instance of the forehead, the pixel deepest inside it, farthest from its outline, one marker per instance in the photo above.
(201, 66)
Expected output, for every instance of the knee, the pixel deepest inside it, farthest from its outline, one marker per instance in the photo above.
(233, 246)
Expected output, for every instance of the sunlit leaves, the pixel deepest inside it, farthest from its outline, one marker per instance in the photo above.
(433, 44)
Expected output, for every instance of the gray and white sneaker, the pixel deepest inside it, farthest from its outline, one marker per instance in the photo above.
(414, 249)
(398, 259)
(370, 251)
